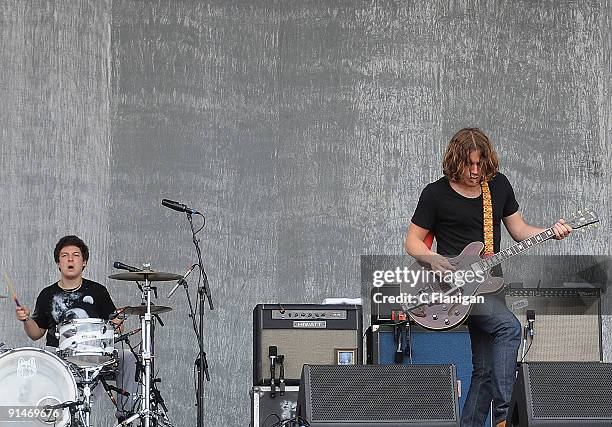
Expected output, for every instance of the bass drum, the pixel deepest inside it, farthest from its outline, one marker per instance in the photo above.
(30, 379)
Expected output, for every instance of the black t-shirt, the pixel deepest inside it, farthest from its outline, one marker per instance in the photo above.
(457, 220)
(55, 305)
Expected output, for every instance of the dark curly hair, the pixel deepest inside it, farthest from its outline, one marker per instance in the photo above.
(71, 241)
(457, 154)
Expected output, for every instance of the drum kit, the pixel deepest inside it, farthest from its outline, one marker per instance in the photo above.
(40, 388)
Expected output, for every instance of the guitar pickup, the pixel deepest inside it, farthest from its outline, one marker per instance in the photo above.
(476, 267)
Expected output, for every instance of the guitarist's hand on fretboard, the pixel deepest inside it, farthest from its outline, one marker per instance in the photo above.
(561, 229)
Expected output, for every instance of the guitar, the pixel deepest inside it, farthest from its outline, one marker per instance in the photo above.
(442, 301)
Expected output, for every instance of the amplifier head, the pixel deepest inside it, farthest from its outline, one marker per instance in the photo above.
(304, 334)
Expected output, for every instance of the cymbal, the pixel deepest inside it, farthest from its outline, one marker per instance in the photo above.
(140, 310)
(152, 276)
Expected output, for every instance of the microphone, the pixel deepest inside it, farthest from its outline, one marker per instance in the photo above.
(124, 337)
(121, 266)
(280, 359)
(120, 391)
(530, 322)
(273, 355)
(107, 389)
(179, 207)
(181, 280)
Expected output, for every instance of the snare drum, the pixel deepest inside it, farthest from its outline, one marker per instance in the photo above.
(87, 342)
(30, 379)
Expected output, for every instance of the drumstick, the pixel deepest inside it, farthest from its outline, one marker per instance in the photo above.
(11, 289)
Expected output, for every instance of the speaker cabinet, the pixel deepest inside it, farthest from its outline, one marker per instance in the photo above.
(305, 334)
(379, 395)
(421, 346)
(571, 394)
(567, 325)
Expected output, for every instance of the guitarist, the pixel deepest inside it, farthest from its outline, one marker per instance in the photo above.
(453, 209)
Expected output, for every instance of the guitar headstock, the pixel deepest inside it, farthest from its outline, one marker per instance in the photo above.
(582, 219)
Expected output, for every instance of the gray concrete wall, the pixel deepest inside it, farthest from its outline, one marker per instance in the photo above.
(303, 130)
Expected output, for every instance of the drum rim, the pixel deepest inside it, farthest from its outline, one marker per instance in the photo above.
(91, 353)
(85, 320)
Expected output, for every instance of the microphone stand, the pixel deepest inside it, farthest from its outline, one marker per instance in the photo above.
(203, 294)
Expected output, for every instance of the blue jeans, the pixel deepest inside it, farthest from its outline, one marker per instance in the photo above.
(495, 333)
(125, 379)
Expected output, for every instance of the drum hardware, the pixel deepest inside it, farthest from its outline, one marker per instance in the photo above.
(87, 345)
(73, 407)
(146, 314)
(89, 381)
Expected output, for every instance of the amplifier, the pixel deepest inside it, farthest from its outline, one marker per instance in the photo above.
(562, 394)
(567, 324)
(420, 346)
(304, 334)
(388, 345)
(379, 395)
(269, 410)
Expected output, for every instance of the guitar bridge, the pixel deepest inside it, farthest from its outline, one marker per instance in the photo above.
(418, 312)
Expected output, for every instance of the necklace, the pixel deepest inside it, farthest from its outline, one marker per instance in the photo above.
(61, 285)
(466, 192)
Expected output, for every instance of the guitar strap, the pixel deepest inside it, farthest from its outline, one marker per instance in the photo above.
(487, 219)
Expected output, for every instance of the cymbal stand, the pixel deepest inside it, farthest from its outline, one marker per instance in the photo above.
(145, 412)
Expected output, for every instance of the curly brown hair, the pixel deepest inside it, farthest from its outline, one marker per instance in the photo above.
(71, 241)
(457, 154)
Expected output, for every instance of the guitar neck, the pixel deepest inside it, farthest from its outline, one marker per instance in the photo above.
(516, 249)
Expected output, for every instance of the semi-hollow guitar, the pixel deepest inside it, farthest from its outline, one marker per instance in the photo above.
(443, 301)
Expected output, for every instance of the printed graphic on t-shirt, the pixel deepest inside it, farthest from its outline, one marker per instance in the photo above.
(68, 306)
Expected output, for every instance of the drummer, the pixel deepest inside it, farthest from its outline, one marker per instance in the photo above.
(74, 297)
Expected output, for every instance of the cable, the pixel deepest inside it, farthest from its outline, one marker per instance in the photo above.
(292, 422)
(203, 222)
(195, 382)
(263, 423)
(528, 348)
